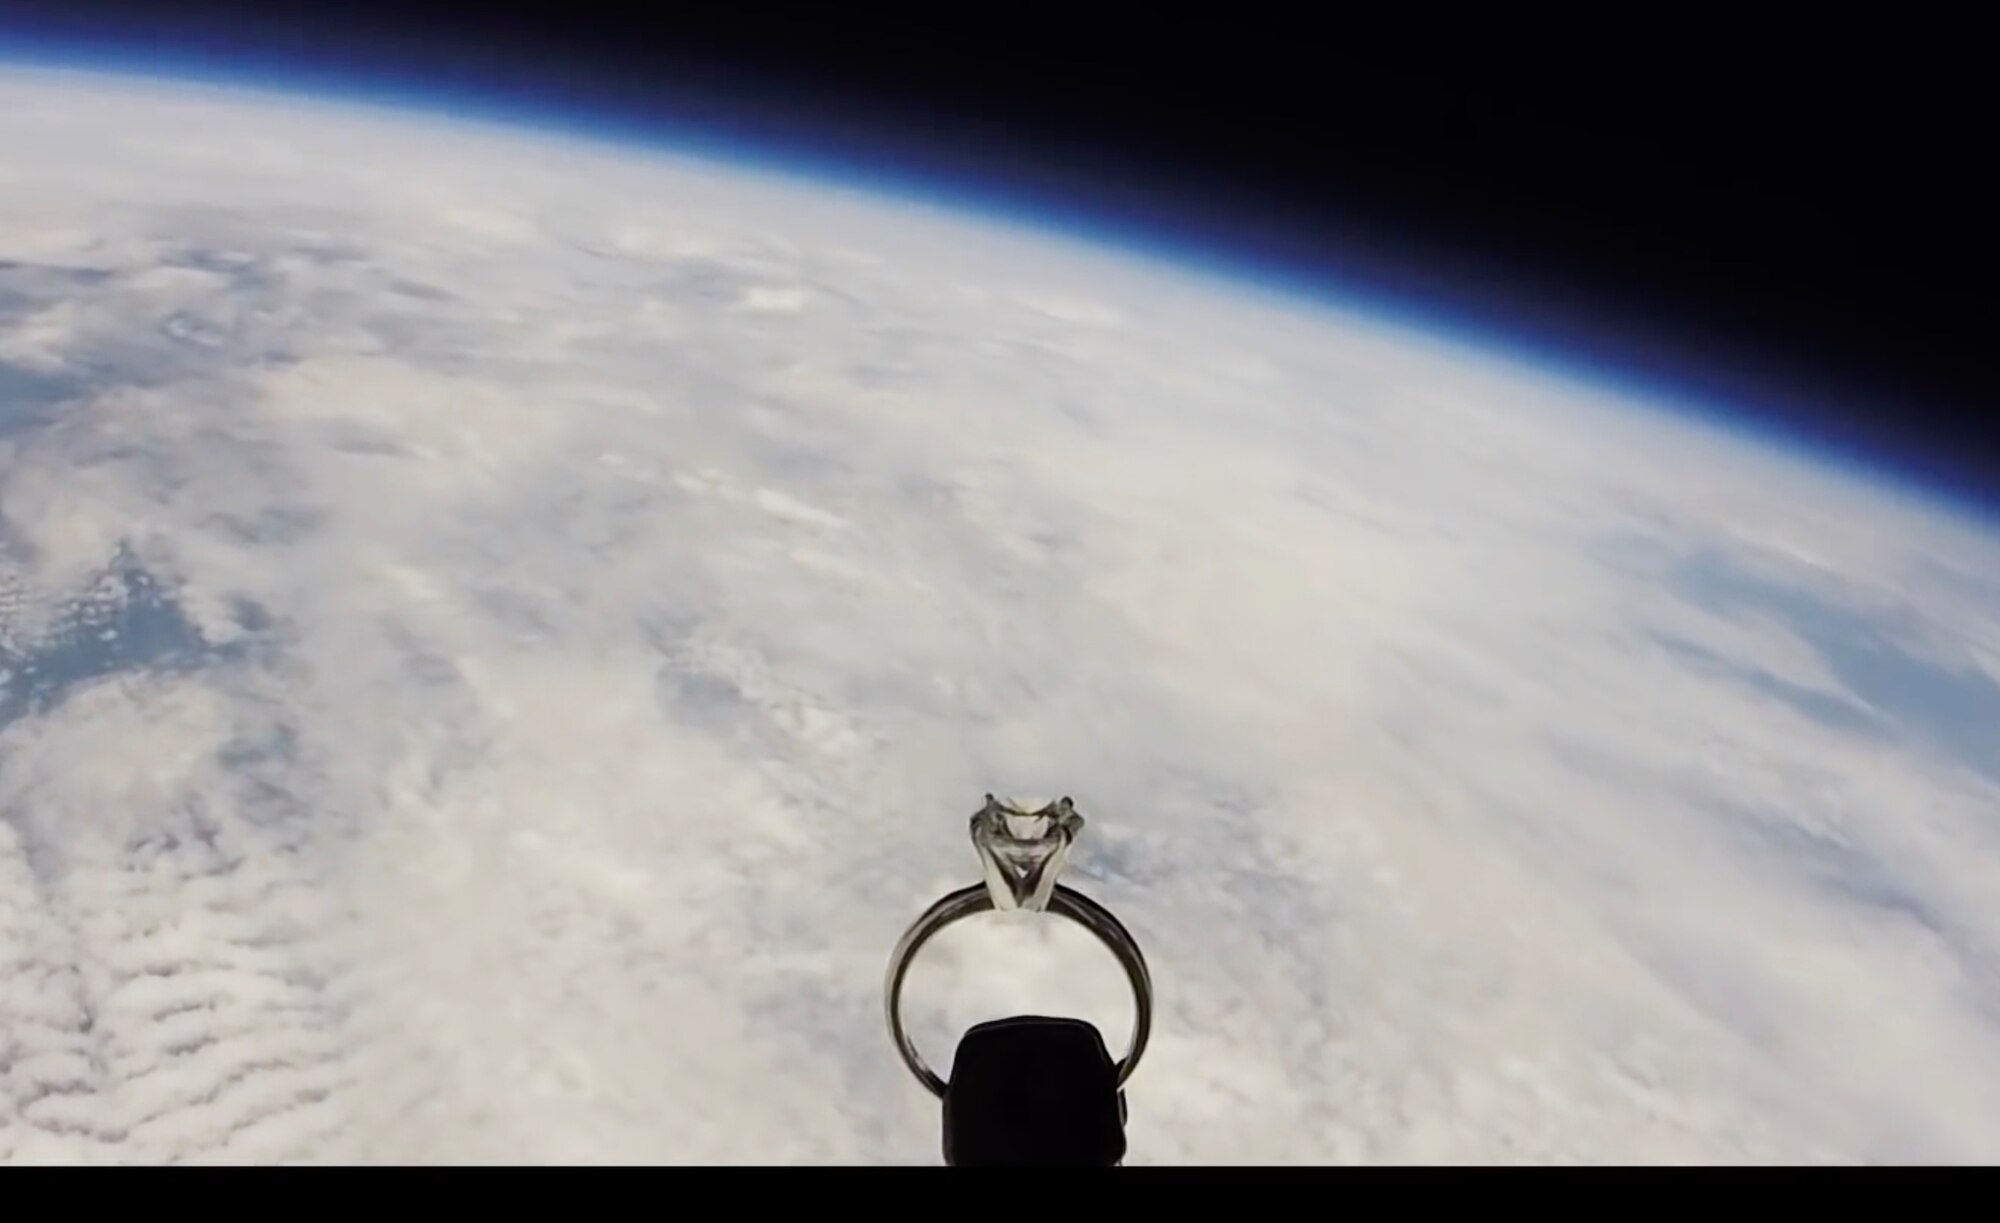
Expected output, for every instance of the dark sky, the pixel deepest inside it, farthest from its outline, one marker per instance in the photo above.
(1790, 221)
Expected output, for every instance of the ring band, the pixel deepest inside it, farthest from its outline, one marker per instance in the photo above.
(967, 901)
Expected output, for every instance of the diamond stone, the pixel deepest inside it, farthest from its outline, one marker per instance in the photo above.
(1022, 846)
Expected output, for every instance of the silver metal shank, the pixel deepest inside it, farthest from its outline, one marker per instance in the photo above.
(967, 901)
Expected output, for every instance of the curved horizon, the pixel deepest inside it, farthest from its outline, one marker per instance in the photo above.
(906, 167)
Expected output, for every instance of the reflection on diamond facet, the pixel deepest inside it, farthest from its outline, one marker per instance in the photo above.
(1022, 847)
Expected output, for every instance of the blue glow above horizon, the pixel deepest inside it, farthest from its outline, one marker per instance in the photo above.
(884, 165)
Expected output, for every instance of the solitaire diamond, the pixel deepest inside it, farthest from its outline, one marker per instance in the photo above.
(1022, 847)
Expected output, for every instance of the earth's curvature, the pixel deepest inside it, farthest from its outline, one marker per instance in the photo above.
(500, 634)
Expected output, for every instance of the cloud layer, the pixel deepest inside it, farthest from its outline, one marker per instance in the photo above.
(500, 636)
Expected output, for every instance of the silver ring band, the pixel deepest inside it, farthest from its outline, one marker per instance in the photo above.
(967, 901)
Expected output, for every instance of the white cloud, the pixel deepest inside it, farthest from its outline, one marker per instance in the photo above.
(578, 681)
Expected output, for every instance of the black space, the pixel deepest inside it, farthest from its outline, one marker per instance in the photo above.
(1796, 223)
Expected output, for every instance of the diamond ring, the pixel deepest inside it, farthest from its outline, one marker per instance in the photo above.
(1022, 850)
